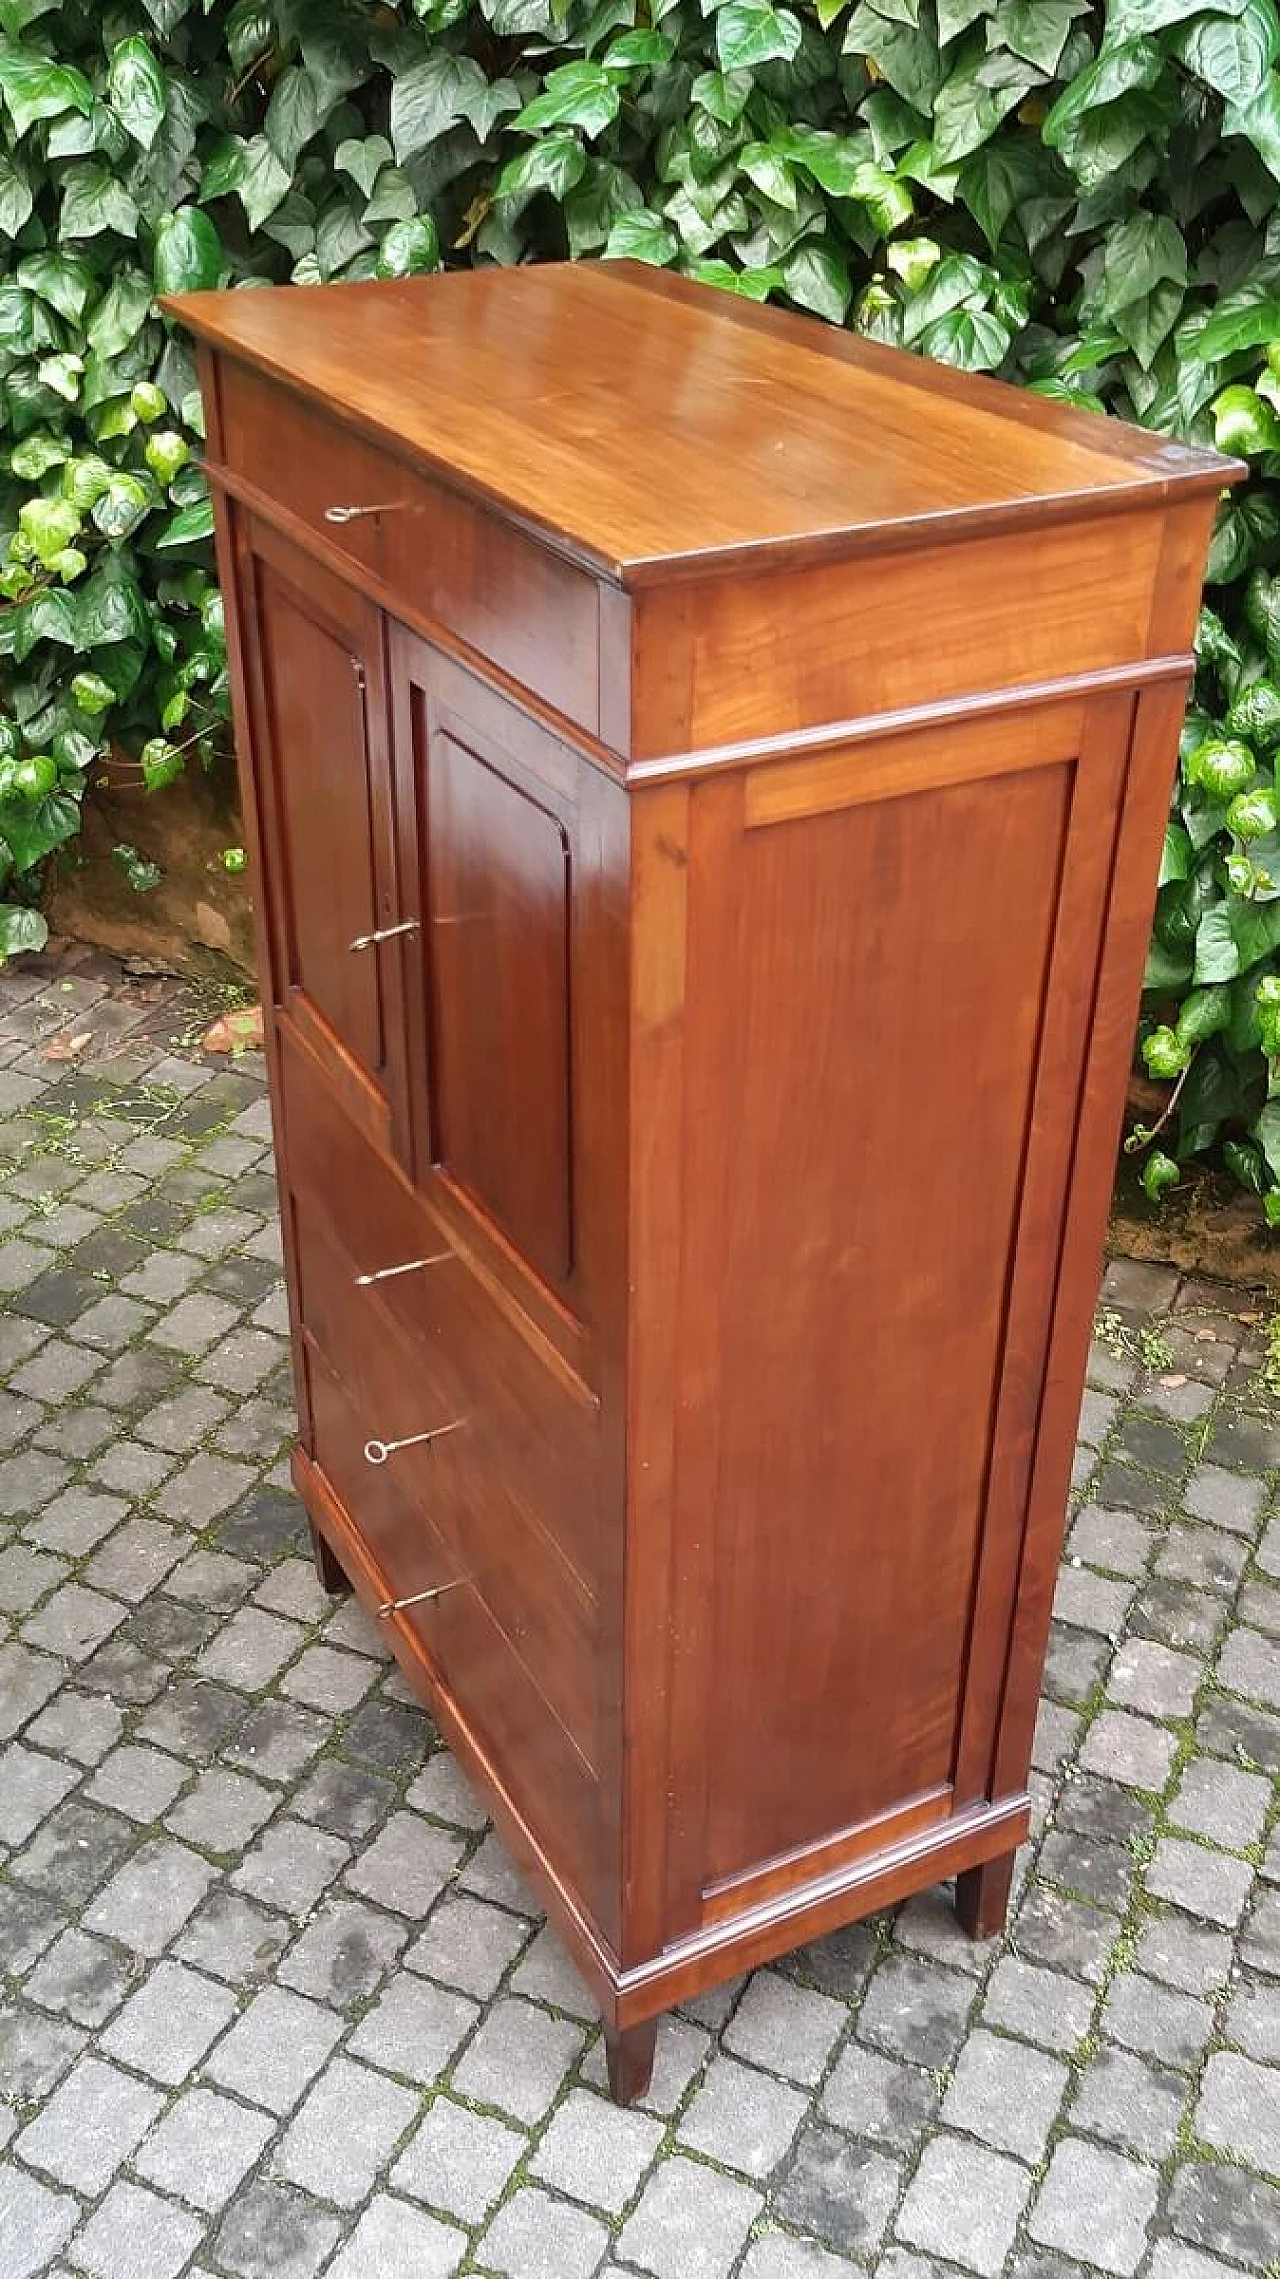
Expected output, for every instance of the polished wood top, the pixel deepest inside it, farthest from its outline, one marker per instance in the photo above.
(645, 424)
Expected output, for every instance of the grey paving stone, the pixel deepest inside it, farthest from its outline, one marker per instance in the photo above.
(1225, 1499)
(85, 1978)
(206, 1487)
(743, 2118)
(29, 1922)
(1250, 1664)
(1156, 2020)
(595, 2152)
(492, 1874)
(392, 2237)
(1171, 2260)
(1090, 1601)
(1252, 2020)
(518, 2058)
(1096, 2206)
(275, 2049)
(235, 1939)
(31, 1784)
(1239, 2110)
(271, 2231)
(1115, 1540)
(876, 2097)
(344, 1953)
(1064, 1933)
(406, 1865)
(843, 2193)
(458, 2160)
(34, 2223)
(89, 2126)
(690, 2222)
(151, 1896)
(26, 1682)
(414, 2029)
(166, 2027)
(467, 1944)
(203, 2148)
(1040, 2005)
(1204, 1882)
(250, 1649)
(1184, 1952)
(1226, 2210)
(1154, 1680)
(290, 1865)
(277, 1740)
(443, 1791)
(1006, 2094)
(25, 1576)
(964, 2203)
(77, 1725)
(775, 2256)
(344, 2132)
(1120, 1746)
(328, 1680)
(546, 1974)
(785, 2027)
(1126, 2102)
(1221, 1803)
(916, 2011)
(73, 1622)
(35, 2051)
(73, 1851)
(194, 1718)
(76, 1520)
(137, 1780)
(223, 1811)
(135, 1559)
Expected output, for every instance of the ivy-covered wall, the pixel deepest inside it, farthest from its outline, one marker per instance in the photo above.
(1084, 199)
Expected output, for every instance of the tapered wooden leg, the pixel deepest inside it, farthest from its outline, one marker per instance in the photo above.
(982, 1896)
(328, 1567)
(629, 2053)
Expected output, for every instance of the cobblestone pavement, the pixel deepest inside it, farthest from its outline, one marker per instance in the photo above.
(275, 2002)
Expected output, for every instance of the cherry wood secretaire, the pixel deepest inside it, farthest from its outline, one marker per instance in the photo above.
(705, 776)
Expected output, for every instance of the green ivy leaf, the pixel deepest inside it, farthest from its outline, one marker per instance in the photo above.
(263, 181)
(35, 88)
(430, 98)
(642, 236)
(294, 115)
(111, 608)
(1233, 54)
(409, 247)
(120, 314)
(555, 164)
(94, 199)
(16, 195)
(188, 254)
(49, 616)
(578, 95)
(973, 339)
(64, 280)
(143, 876)
(32, 832)
(363, 158)
(136, 89)
(21, 929)
(750, 32)
(1122, 66)
(189, 526)
(816, 278)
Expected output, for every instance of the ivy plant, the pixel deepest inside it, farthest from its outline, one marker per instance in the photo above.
(1083, 199)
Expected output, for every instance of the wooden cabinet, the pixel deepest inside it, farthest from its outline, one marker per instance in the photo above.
(705, 776)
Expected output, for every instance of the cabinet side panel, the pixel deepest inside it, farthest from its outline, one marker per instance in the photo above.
(861, 1044)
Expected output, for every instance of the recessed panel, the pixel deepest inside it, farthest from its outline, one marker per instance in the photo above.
(498, 898)
(322, 792)
(870, 1038)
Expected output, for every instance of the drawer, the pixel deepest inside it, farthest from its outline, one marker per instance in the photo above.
(538, 1425)
(400, 1539)
(400, 1389)
(442, 557)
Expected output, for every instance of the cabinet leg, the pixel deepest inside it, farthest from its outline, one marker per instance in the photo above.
(629, 2054)
(332, 1575)
(982, 1896)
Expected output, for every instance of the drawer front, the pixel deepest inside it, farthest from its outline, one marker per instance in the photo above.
(468, 1431)
(532, 614)
(539, 1428)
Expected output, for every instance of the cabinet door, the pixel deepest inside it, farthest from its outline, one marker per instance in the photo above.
(321, 755)
(493, 799)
